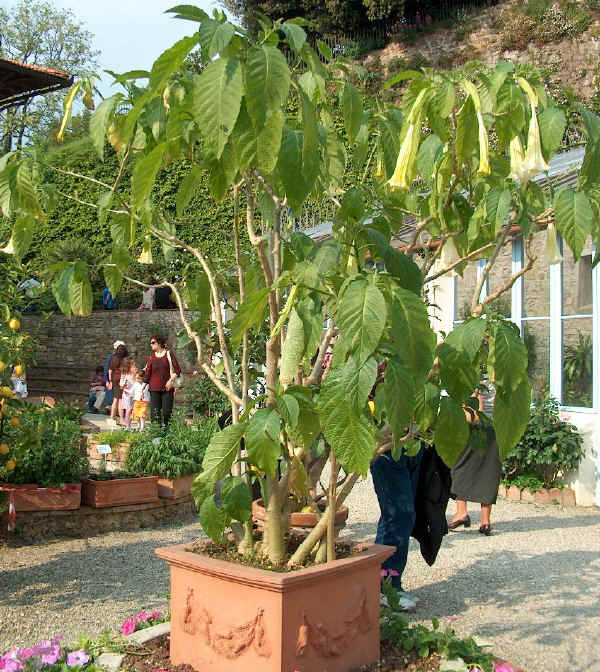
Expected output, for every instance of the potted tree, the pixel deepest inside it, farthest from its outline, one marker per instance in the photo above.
(271, 135)
(173, 454)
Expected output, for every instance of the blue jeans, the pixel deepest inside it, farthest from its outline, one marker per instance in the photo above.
(91, 401)
(395, 486)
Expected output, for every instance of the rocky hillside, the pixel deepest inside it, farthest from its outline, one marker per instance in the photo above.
(563, 39)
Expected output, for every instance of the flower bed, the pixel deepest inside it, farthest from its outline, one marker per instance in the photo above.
(47, 656)
(142, 621)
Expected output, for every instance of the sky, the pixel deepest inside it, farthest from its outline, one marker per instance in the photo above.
(130, 34)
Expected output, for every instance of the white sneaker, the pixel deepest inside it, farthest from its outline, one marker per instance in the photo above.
(406, 604)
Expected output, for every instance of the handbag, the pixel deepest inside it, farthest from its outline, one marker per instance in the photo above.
(176, 380)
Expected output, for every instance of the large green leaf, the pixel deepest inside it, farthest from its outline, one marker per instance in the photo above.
(295, 35)
(353, 111)
(213, 519)
(511, 415)
(361, 317)
(217, 97)
(289, 409)
(268, 141)
(290, 167)
(21, 237)
(359, 380)
(497, 206)
(236, 498)
(188, 12)
(468, 337)
(267, 82)
(309, 426)
(430, 150)
(249, 314)
(26, 193)
(427, 402)
(451, 431)
(347, 429)
(552, 122)
(81, 295)
(507, 357)
(196, 292)
(262, 440)
(404, 269)
(61, 288)
(187, 188)
(170, 61)
(399, 390)
(144, 174)
(113, 278)
(458, 374)
(220, 38)
(310, 143)
(412, 335)
(220, 455)
(574, 218)
(293, 349)
(100, 121)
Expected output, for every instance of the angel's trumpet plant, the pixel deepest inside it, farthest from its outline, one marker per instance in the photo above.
(534, 159)
(518, 167)
(552, 253)
(449, 254)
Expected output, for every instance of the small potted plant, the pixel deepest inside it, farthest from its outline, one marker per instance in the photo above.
(118, 488)
(51, 459)
(173, 454)
(119, 441)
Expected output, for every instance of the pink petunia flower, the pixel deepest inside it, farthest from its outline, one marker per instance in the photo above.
(26, 654)
(10, 665)
(451, 618)
(142, 617)
(51, 655)
(384, 573)
(76, 658)
(503, 667)
(128, 627)
(155, 614)
(393, 572)
(475, 669)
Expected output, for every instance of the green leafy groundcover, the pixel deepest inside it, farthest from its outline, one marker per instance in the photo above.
(175, 451)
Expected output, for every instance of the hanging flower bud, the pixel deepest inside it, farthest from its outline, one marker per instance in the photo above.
(146, 255)
(518, 168)
(10, 248)
(552, 253)
(484, 160)
(534, 159)
(408, 149)
(379, 167)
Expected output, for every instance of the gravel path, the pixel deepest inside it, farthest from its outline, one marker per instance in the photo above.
(533, 588)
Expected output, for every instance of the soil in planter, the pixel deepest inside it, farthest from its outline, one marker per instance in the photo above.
(229, 553)
(111, 475)
(154, 655)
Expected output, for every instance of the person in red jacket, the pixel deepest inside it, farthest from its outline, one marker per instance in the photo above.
(160, 370)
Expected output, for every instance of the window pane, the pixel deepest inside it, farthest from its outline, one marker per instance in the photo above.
(577, 362)
(577, 282)
(465, 287)
(500, 274)
(536, 282)
(536, 335)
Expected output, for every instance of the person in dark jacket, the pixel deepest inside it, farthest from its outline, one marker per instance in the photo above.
(160, 369)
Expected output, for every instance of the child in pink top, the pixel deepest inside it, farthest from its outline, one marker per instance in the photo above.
(127, 382)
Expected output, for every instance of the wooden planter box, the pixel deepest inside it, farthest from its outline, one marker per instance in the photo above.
(118, 454)
(119, 491)
(174, 488)
(227, 617)
(32, 497)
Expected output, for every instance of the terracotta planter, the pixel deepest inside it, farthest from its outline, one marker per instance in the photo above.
(173, 488)
(231, 618)
(543, 497)
(32, 497)
(527, 495)
(513, 492)
(119, 491)
(300, 523)
(568, 497)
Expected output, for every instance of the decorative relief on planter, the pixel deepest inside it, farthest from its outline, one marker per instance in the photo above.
(313, 633)
(231, 643)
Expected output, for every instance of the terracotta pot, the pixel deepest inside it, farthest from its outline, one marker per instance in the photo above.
(300, 523)
(542, 497)
(173, 488)
(513, 492)
(32, 497)
(228, 617)
(568, 497)
(119, 491)
(527, 495)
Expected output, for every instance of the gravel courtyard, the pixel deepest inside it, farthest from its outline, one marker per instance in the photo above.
(533, 588)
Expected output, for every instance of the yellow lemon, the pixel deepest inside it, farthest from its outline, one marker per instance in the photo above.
(14, 324)
(14, 422)
(4, 449)
(11, 464)
(372, 407)
(2, 366)
(19, 370)
(307, 509)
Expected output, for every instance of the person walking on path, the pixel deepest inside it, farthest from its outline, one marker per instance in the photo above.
(108, 395)
(114, 379)
(477, 472)
(161, 370)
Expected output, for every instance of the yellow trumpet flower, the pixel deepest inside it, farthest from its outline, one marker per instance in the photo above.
(552, 253)
(534, 159)
(484, 157)
(518, 167)
(146, 255)
(408, 149)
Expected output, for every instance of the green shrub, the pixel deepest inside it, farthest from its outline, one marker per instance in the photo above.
(177, 450)
(51, 448)
(113, 437)
(549, 449)
(531, 481)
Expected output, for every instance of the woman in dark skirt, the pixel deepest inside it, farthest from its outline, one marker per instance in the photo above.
(476, 475)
